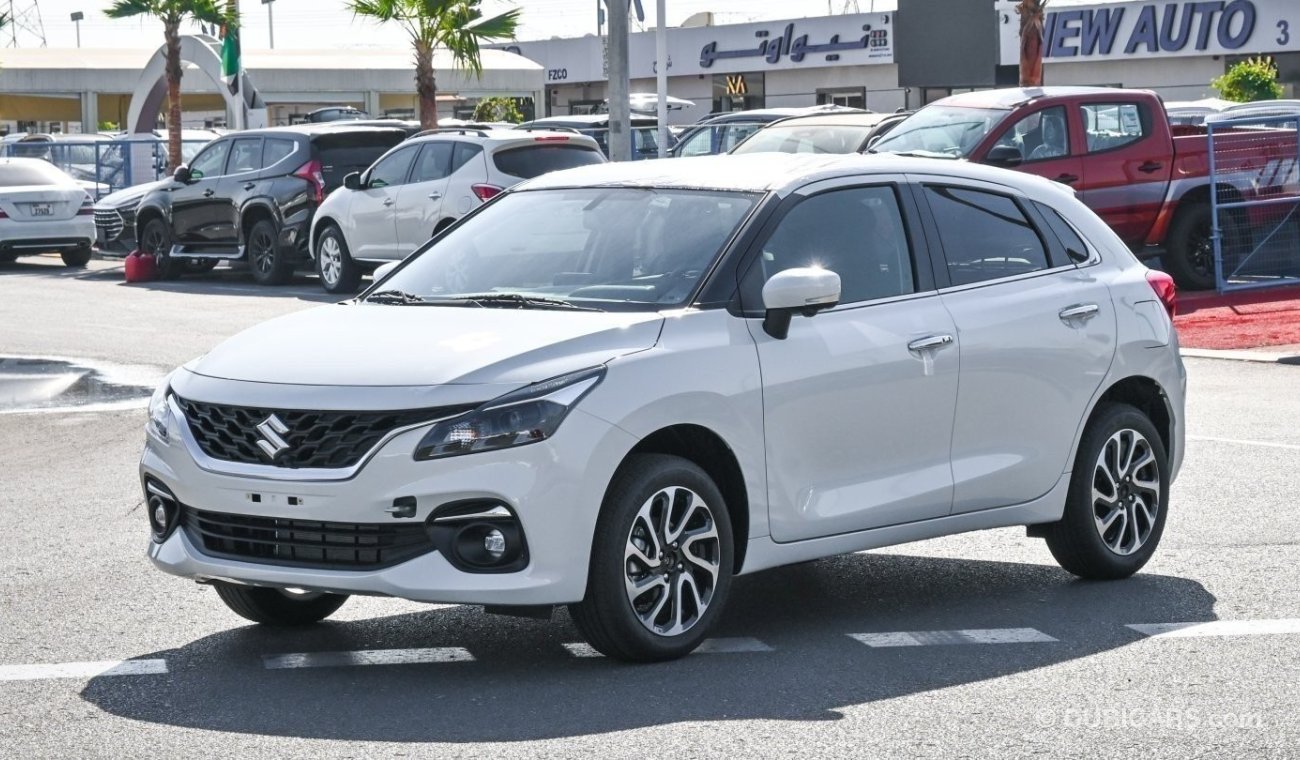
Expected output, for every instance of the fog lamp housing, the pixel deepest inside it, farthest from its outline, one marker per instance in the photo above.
(479, 536)
(162, 508)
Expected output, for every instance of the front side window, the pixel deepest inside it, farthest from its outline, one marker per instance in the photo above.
(392, 169)
(245, 156)
(211, 161)
(631, 249)
(945, 130)
(985, 236)
(1039, 136)
(1112, 125)
(857, 233)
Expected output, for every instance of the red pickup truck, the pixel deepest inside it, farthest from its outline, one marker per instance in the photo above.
(1148, 180)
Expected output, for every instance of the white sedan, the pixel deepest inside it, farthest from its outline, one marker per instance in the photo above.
(43, 210)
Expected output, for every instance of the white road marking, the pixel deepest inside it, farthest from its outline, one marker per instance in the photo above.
(708, 646)
(1217, 628)
(967, 636)
(365, 657)
(83, 670)
(1243, 442)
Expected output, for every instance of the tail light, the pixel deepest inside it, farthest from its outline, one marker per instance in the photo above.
(1163, 285)
(552, 138)
(313, 173)
(486, 193)
(87, 206)
(3, 215)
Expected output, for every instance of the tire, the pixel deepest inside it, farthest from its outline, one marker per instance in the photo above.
(270, 264)
(8, 258)
(338, 272)
(1189, 256)
(76, 258)
(156, 238)
(273, 606)
(1078, 541)
(636, 501)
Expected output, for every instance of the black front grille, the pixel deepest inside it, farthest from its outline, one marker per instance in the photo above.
(305, 543)
(314, 439)
(110, 222)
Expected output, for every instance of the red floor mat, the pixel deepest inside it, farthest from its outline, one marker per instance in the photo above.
(1249, 319)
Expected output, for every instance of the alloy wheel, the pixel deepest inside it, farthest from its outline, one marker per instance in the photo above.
(1126, 492)
(261, 251)
(1202, 253)
(672, 560)
(331, 259)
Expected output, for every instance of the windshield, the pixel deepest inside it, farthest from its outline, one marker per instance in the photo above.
(948, 130)
(805, 139)
(631, 249)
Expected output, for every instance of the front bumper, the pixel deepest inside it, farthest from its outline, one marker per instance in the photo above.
(41, 237)
(555, 489)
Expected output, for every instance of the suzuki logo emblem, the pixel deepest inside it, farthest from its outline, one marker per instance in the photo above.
(271, 443)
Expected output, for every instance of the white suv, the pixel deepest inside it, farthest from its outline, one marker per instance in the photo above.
(619, 386)
(420, 187)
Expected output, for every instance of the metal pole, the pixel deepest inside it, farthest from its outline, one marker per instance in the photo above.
(270, 20)
(620, 115)
(661, 75)
(78, 34)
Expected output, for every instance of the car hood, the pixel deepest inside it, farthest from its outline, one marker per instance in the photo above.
(359, 344)
(129, 196)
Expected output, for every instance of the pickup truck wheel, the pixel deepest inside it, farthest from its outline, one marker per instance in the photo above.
(75, 258)
(1190, 246)
(156, 239)
(1118, 498)
(279, 607)
(660, 564)
(338, 272)
(270, 264)
(6, 258)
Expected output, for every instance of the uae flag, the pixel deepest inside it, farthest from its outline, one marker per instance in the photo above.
(230, 63)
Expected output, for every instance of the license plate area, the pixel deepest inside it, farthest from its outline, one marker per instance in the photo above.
(40, 209)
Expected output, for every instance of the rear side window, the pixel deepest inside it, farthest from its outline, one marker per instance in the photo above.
(985, 236)
(1112, 125)
(276, 151)
(538, 159)
(344, 152)
(17, 175)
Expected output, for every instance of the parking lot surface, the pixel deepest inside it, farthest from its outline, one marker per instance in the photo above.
(973, 645)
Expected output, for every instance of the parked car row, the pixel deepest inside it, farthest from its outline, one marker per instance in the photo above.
(42, 209)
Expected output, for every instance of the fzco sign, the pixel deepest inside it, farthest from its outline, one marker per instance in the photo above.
(1136, 30)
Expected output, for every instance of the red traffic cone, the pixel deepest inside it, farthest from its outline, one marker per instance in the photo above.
(141, 267)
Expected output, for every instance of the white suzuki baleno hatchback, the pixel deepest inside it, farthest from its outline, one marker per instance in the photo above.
(617, 387)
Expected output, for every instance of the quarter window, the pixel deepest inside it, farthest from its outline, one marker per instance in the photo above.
(1107, 126)
(464, 152)
(985, 236)
(858, 233)
(1039, 136)
(392, 169)
(210, 162)
(1064, 232)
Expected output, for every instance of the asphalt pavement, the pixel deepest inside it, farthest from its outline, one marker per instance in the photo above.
(969, 646)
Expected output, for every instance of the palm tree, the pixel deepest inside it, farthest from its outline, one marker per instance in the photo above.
(457, 26)
(1031, 41)
(173, 13)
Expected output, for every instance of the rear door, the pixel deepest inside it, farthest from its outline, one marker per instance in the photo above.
(241, 181)
(858, 401)
(374, 206)
(1127, 162)
(1036, 338)
(198, 216)
(420, 201)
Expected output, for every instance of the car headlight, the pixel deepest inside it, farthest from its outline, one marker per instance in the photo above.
(160, 411)
(525, 416)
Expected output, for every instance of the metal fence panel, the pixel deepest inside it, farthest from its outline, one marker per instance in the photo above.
(1255, 197)
(104, 165)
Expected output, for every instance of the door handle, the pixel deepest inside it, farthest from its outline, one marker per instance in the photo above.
(930, 343)
(1084, 311)
(1067, 179)
(389, 202)
(209, 193)
(1150, 166)
(250, 185)
(435, 196)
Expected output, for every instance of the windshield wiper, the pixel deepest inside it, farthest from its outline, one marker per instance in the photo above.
(919, 153)
(520, 300)
(399, 297)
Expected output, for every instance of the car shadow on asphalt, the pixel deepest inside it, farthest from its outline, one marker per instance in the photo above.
(524, 685)
(225, 279)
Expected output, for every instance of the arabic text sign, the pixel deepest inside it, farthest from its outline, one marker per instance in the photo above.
(798, 47)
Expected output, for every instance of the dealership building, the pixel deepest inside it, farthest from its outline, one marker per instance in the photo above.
(884, 60)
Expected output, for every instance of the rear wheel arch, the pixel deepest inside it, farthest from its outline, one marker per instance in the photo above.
(1144, 394)
(442, 224)
(251, 215)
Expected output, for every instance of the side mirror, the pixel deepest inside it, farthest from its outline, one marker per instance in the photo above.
(1006, 156)
(352, 181)
(804, 290)
(182, 174)
(386, 269)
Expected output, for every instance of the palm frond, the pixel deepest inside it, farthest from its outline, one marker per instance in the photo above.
(129, 8)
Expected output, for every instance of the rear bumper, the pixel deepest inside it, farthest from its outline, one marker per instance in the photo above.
(40, 237)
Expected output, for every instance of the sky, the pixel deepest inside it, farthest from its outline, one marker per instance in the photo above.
(326, 24)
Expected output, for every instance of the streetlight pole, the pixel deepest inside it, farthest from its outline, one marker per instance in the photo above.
(661, 75)
(76, 19)
(620, 115)
(270, 20)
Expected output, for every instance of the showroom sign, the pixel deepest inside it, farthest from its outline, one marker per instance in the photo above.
(1110, 31)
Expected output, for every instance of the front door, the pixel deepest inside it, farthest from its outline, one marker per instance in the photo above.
(374, 206)
(197, 214)
(858, 401)
(1048, 145)
(1037, 338)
